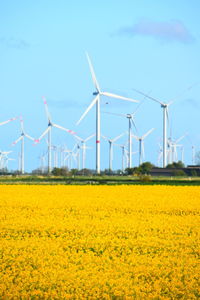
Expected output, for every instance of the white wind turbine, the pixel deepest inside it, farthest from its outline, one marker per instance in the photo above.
(193, 150)
(83, 147)
(141, 144)
(164, 106)
(193, 155)
(123, 155)
(3, 158)
(23, 135)
(131, 123)
(48, 131)
(98, 93)
(160, 154)
(173, 147)
(76, 155)
(42, 159)
(70, 155)
(111, 141)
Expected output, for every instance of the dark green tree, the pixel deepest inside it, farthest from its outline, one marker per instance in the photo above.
(176, 165)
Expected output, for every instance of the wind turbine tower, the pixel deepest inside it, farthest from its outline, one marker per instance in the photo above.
(98, 93)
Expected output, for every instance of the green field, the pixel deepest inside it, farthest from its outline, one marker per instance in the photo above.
(110, 180)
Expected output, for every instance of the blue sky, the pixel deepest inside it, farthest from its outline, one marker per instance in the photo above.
(153, 46)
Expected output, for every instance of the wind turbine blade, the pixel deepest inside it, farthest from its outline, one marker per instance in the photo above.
(158, 101)
(93, 74)
(46, 109)
(6, 152)
(170, 103)
(118, 97)
(88, 109)
(29, 137)
(19, 139)
(148, 132)
(179, 139)
(135, 137)
(43, 134)
(188, 88)
(137, 108)
(74, 147)
(5, 122)
(105, 137)
(22, 124)
(89, 137)
(78, 138)
(117, 137)
(64, 129)
(133, 124)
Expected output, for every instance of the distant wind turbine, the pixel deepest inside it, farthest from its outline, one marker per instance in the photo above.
(23, 135)
(48, 131)
(98, 93)
(131, 123)
(165, 107)
(83, 147)
(111, 141)
(141, 144)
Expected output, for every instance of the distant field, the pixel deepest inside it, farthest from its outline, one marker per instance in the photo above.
(99, 242)
(102, 180)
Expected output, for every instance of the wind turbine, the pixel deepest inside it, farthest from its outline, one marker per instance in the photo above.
(131, 123)
(98, 93)
(164, 106)
(160, 154)
(123, 148)
(42, 162)
(83, 147)
(111, 141)
(21, 138)
(69, 156)
(193, 155)
(141, 144)
(3, 158)
(173, 146)
(48, 131)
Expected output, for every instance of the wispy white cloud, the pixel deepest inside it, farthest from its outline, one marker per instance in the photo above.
(16, 43)
(167, 31)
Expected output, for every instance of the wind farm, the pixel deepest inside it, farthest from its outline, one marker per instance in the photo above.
(76, 157)
(168, 151)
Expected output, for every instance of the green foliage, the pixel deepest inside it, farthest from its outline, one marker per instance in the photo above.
(145, 168)
(74, 172)
(60, 172)
(131, 171)
(179, 173)
(176, 165)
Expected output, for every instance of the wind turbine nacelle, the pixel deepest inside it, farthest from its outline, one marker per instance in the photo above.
(95, 93)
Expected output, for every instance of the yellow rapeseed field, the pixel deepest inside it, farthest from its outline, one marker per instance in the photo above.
(99, 242)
